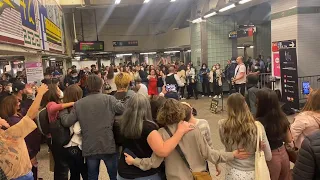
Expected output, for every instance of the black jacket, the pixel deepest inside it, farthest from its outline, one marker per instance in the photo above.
(307, 166)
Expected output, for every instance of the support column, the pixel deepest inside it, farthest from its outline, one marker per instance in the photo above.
(220, 47)
(261, 40)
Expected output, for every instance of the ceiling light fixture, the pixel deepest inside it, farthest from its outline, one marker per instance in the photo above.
(117, 1)
(227, 8)
(210, 14)
(169, 52)
(146, 1)
(244, 1)
(147, 53)
(172, 0)
(199, 20)
(121, 55)
(240, 47)
(251, 47)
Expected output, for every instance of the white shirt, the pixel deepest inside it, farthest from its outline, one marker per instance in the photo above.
(143, 89)
(76, 139)
(180, 84)
(241, 68)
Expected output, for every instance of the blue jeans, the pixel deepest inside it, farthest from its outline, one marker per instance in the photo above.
(111, 162)
(28, 176)
(153, 177)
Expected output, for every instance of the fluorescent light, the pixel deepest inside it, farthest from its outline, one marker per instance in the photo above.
(172, 0)
(241, 47)
(117, 1)
(210, 14)
(146, 1)
(170, 52)
(189, 51)
(121, 55)
(199, 20)
(244, 1)
(227, 8)
(147, 53)
(251, 47)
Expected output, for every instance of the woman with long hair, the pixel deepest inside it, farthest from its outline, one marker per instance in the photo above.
(110, 81)
(193, 145)
(308, 121)
(276, 125)
(9, 110)
(239, 130)
(52, 101)
(15, 162)
(74, 157)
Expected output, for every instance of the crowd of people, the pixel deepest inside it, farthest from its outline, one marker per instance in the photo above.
(131, 118)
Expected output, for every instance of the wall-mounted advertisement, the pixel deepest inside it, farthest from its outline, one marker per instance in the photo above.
(289, 73)
(35, 24)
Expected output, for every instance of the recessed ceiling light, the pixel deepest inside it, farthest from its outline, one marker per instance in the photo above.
(117, 1)
(172, 0)
(146, 1)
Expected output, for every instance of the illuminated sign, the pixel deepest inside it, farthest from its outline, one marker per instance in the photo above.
(53, 32)
(125, 43)
(91, 46)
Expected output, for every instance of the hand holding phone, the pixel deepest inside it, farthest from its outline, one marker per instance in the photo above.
(306, 88)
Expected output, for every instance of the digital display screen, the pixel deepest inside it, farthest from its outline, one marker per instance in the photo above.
(91, 46)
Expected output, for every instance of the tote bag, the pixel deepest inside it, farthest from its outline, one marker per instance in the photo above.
(261, 168)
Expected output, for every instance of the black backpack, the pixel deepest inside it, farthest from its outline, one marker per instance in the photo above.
(60, 135)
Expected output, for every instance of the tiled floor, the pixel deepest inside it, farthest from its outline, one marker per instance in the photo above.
(202, 105)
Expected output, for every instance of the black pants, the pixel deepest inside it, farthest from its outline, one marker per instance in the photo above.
(182, 91)
(59, 153)
(76, 164)
(240, 88)
(206, 87)
(192, 90)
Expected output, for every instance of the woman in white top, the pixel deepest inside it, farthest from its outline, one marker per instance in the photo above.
(110, 80)
(239, 130)
(140, 88)
(75, 160)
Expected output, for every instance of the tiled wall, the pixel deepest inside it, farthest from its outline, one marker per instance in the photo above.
(219, 45)
(262, 41)
(195, 43)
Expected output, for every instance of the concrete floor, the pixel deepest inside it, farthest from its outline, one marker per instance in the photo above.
(202, 105)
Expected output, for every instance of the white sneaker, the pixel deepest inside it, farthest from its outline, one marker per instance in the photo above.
(202, 96)
(215, 97)
(210, 96)
(219, 96)
(183, 98)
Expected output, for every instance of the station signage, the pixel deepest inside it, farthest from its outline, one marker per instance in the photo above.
(85, 46)
(243, 32)
(125, 43)
(289, 72)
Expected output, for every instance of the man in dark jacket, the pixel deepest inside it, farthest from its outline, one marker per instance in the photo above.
(96, 114)
(252, 88)
(307, 166)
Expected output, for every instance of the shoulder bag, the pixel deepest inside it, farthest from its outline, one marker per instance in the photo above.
(261, 168)
(196, 175)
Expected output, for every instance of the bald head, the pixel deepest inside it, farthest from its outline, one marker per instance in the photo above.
(240, 60)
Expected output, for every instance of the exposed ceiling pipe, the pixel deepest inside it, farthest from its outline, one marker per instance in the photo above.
(74, 29)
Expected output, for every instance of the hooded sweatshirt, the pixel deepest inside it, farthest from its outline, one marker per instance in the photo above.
(304, 125)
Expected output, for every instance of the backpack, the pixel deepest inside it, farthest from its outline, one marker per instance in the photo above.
(43, 121)
(60, 135)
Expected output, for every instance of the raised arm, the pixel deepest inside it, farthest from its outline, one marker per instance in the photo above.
(164, 148)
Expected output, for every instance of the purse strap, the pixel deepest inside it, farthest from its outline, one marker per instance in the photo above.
(179, 150)
(259, 137)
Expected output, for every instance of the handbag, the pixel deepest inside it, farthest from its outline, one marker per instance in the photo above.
(261, 168)
(292, 151)
(196, 175)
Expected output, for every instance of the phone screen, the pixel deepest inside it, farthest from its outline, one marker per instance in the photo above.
(306, 88)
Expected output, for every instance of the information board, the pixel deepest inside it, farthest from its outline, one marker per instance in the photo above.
(125, 43)
(91, 46)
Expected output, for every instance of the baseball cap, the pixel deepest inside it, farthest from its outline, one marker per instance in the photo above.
(18, 86)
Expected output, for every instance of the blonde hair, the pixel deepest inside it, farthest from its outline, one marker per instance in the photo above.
(122, 80)
(313, 102)
(239, 129)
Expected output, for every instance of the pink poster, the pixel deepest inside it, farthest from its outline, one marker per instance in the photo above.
(276, 64)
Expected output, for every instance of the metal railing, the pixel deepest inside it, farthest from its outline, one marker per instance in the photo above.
(264, 80)
(314, 84)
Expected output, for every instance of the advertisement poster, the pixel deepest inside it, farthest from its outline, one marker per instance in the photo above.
(34, 72)
(276, 65)
(289, 73)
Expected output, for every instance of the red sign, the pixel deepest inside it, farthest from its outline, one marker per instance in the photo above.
(275, 47)
(276, 64)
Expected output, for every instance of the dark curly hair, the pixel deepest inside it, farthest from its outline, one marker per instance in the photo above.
(171, 112)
